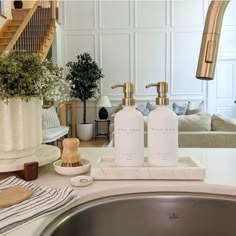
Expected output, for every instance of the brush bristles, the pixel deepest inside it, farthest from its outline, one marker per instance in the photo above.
(71, 164)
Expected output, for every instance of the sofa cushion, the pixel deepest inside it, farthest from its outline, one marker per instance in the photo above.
(150, 106)
(195, 109)
(143, 109)
(50, 135)
(50, 118)
(196, 122)
(180, 108)
(206, 139)
(203, 139)
(221, 123)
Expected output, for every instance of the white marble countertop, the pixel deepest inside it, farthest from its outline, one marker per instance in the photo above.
(220, 178)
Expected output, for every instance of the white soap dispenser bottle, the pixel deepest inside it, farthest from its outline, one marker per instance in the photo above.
(129, 131)
(162, 130)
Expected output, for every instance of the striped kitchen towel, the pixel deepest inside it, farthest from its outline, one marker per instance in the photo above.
(44, 200)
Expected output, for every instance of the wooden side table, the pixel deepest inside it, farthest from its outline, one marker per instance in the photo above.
(106, 133)
(65, 107)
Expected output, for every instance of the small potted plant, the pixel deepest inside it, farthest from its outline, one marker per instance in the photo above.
(24, 82)
(85, 76)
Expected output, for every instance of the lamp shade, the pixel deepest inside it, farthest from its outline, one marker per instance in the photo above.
(103, 101)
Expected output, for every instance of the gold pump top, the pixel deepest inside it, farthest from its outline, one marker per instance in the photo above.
(128, 90)
(162, 90)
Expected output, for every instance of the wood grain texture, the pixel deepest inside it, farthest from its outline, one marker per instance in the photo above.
(14, 195)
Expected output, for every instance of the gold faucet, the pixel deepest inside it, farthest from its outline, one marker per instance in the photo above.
(210, 40)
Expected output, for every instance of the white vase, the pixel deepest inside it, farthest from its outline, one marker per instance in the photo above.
(21, 127)
(85, 131)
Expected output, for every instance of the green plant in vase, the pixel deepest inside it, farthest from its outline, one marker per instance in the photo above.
(24, 82)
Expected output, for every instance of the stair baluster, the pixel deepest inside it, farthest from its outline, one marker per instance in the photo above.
(38, 30)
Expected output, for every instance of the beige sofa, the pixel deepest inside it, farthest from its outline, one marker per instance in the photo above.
(202, 130)
(207, 139)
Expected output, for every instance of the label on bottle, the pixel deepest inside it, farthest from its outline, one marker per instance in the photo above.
(129, 143)
(163, 144)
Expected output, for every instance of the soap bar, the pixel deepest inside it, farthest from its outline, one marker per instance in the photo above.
(14, 195)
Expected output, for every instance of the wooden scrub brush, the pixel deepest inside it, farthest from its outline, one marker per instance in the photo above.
(70, 155)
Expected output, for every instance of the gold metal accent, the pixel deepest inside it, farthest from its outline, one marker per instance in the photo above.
(128, 90)
(162, 90)
(210, 40)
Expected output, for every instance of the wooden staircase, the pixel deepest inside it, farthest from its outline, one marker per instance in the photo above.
(7, 32)
(32, 31)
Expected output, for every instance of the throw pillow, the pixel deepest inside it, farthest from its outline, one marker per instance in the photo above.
(221, 123)
(143, 109)
(180, 108)
(50, 118)
(151, 107)
(193, 110)
(196, 122)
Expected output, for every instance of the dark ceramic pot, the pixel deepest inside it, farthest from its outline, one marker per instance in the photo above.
(103, 114)
(18, 4)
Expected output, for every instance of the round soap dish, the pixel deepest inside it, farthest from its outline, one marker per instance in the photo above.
(77, 170)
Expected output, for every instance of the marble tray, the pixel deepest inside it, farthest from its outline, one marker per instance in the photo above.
(187, 169)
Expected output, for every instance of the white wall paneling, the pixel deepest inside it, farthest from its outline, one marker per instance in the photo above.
(91, 111)
(187, 13)
(150, 61)
(184, 55)
(80, 15)
(146, 41)
(115, 53)
(222, 92)
(224, 82)
(230, 16)
(156, 12)
(228, 42)
(79, 43)
(58, 48)
(114, 14)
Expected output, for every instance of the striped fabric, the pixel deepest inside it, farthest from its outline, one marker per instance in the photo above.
(44, 200)
(50, 118)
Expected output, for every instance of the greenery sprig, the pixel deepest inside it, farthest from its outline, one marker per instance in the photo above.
(24, 76)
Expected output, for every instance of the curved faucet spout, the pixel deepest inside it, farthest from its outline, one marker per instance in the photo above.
(210, 40)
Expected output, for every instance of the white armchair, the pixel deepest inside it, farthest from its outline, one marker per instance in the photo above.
(52, 129)
(55, 122)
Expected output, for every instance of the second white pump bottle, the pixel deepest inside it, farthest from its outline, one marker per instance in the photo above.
(162, 131)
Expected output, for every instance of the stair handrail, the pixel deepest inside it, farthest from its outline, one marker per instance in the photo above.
(53, 4)
(21, 28)
(3, 16)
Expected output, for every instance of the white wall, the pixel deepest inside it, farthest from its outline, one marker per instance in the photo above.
(143, 42)
(2, 21)
(7, 8)
(6, 11)
(222, 91)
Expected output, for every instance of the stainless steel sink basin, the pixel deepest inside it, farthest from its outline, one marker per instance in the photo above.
(149, 214)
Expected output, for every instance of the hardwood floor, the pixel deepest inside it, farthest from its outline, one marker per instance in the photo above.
(99, 142)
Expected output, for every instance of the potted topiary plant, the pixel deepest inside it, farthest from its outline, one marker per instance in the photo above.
(85, 76)
(24, 82)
